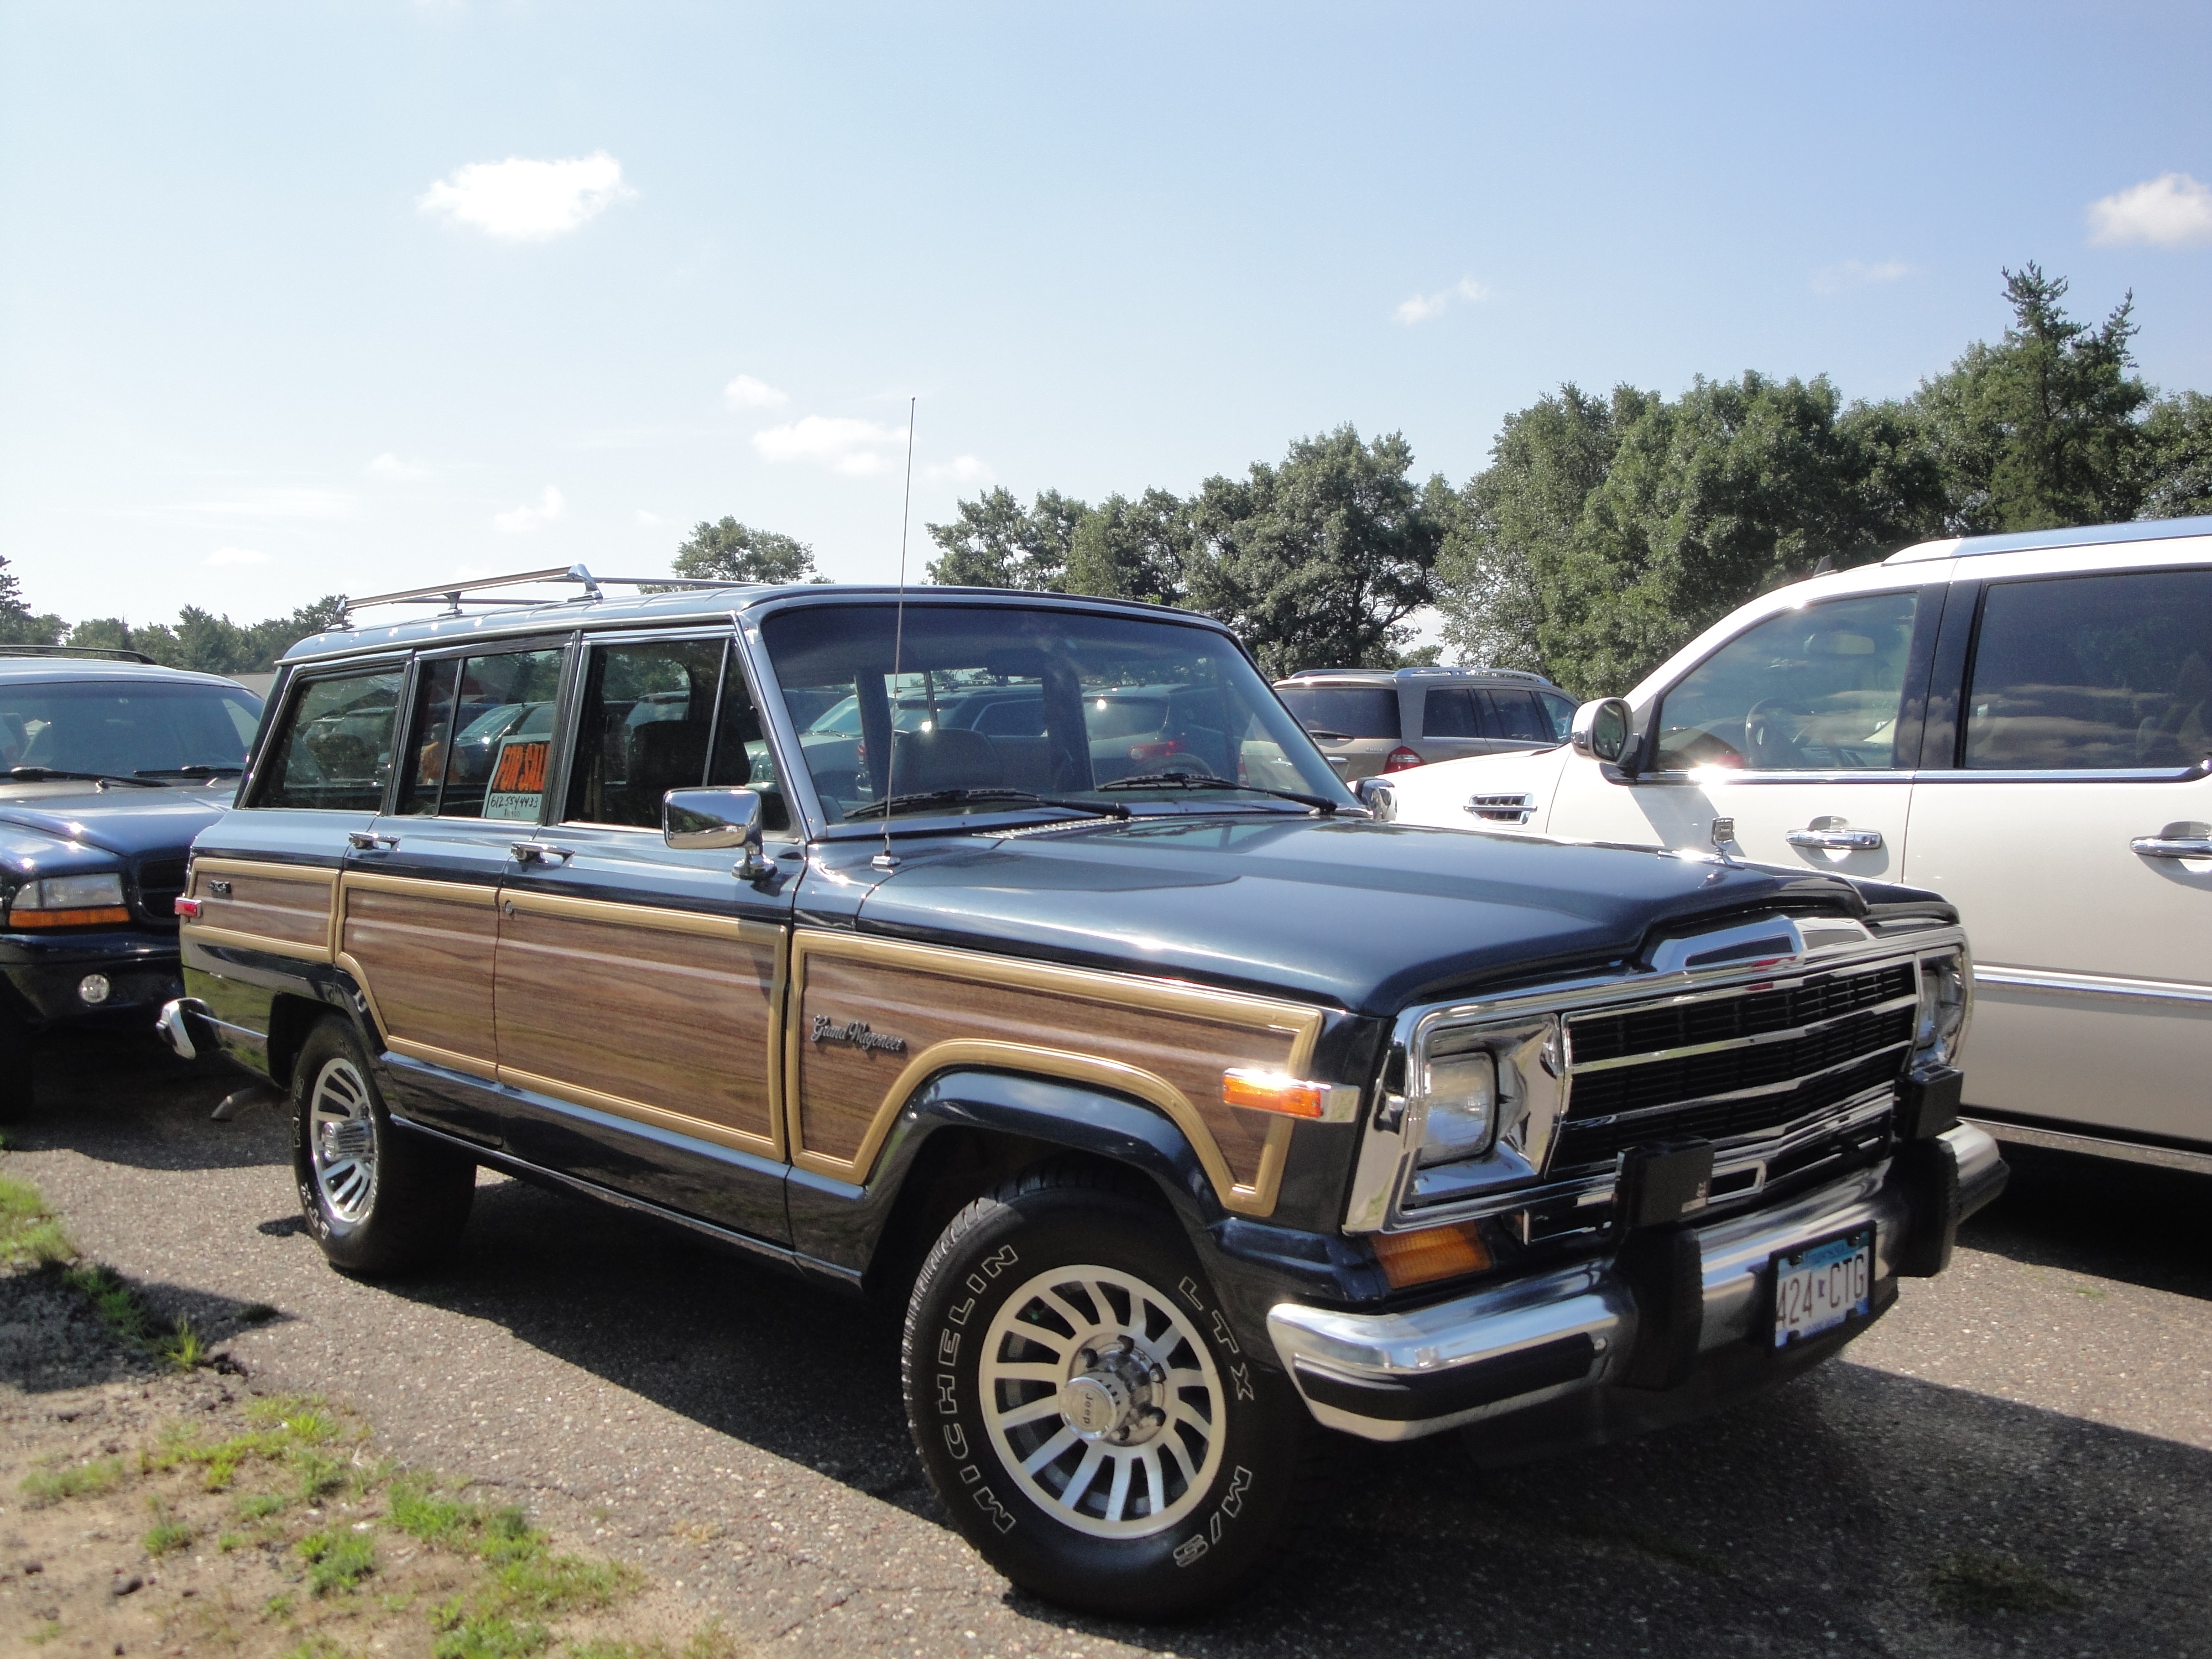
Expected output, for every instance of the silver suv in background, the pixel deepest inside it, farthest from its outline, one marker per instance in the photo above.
(1371, 721)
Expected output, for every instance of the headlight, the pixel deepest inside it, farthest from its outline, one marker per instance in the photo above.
(1946, 1000)
(69, 901)
(1460, 1105)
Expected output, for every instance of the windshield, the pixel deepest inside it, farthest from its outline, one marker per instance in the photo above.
(1050, 702)
(112, 730)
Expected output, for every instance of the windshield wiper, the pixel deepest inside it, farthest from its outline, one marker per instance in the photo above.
(961, 797)
(194, 770)
(1320, 804)
(1327, 736)
(55, 774)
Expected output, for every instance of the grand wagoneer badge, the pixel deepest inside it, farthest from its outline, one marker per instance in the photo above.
(857, 1033)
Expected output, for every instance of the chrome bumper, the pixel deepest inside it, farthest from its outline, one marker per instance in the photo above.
(1496, 1351)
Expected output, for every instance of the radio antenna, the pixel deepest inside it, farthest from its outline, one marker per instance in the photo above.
(888, 860)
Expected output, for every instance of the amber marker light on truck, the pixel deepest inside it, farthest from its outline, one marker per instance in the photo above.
(1433, 1253)
(1276, 1092)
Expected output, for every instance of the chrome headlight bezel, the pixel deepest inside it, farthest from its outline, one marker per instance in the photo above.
(1947, 1008)
(1453, 1143)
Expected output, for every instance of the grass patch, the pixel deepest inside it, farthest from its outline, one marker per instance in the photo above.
(337, 1561)
(711, 1641)
(45, 1632)
(43, 1486)
(30, 1233)
(536, 1582)
(487, 1636)
(183, 1348)
(317, 1647)
(1974, 1581)
(259, 1506)
(167, 1535)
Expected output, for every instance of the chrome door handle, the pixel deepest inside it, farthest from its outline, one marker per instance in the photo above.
(362, 842)
(541, 852)
(2163, 847)
(1835, 840)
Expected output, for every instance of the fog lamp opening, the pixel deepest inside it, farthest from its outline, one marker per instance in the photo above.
(94, 989)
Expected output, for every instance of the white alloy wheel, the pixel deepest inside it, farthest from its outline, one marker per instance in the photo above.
(1102, 1400)
(342, 1139)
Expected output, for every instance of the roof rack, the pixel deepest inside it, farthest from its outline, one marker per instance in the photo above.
(455, 594)
(106, 652)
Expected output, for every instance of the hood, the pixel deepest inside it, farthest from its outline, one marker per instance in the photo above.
(1369, 916)
(127, 823)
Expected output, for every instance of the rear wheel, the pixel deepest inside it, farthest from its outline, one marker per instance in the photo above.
(378, 1200)
(1084, 1411)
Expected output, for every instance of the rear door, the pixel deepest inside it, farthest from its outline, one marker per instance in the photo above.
(2069, 814)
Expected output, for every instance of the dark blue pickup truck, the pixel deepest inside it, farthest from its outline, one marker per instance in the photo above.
(1018, 958)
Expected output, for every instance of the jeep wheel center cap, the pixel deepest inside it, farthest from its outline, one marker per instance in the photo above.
(1094, 1404)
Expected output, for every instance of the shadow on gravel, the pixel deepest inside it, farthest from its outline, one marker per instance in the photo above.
(125, 1099)
(1815, 1521)
(2092, 1215)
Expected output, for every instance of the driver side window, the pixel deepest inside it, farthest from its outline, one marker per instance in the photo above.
(1816, 690)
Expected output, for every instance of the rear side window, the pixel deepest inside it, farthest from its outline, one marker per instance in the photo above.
(1517, 716)
(2085, 673)
(333, 751)
(1351, 711)
(1451, 714)
(482, 733)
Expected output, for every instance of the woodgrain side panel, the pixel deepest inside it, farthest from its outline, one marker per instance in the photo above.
(424, 953)
(667, 1016)
(279, 906)
(1162, 1043)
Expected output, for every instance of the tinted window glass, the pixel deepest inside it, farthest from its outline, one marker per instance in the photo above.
(1354, 711)
(1105, 700)
(1811, 690)
(483, 734)
(1517, 715)
(1448, 713)
(2088, 672)
(1560, 713)
(154, 731)
(334, 750)
(742, 758)
(643, 728)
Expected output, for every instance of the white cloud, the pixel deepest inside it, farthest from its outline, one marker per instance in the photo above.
(1422, 306)
(236, 555)
(1858, 273)
(848, 445)
(550, 506)
(525, 201)
(389, 465)
(960, 469)
(746, 392)
(2170, 210)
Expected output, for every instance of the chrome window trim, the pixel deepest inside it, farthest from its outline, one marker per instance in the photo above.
(2110, 774)
(1384, 1172)
(1732, 776)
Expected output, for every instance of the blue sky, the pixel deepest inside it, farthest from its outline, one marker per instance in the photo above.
(276, 320)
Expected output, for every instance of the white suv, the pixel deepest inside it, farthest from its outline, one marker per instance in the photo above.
(2022, 723)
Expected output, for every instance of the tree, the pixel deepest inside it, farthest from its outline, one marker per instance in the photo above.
(2041, 429)
(1317, 562)
(996, 542)
(210, 644)
(1127, 550)
(17, 625)
(729, 551)
(2177, 437)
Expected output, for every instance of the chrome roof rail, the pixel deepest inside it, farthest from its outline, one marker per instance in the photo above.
(455, 594)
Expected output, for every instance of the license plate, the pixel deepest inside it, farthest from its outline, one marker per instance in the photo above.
(1819, 1287)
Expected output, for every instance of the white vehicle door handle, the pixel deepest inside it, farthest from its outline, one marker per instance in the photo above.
(1835, 840)
(2164, 847)
(541, 852)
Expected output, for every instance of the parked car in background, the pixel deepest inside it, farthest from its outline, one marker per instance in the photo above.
(109, 766)
(2022, 723)
(1187, 1115)
(1369, 721)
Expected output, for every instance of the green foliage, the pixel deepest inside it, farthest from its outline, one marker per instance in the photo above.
(183, 1348)
(115, 1302)
(1126, 549)
(29, 1231)
(997, 543)
(210, 644)
(337, 1561)
(726, 550)
(43, 1486)
(167, 1535)
(487, 1635)
(2177, 437)
(17, 625)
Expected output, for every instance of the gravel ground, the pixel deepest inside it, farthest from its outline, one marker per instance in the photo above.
(2045, 1405)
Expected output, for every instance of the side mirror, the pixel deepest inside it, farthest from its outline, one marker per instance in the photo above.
(706, 820)
(1603, 730)
(1376, 795)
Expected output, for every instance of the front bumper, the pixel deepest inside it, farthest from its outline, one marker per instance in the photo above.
(1502, 1350)
(46, 975)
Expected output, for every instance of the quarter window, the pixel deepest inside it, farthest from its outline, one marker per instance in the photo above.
(483, 734)
(2079, 673)
(334, 752)
(1815, 689)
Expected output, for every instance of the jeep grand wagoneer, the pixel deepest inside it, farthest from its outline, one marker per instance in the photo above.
(1190, 1111)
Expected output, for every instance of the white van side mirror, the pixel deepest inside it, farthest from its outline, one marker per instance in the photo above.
(1604, 731)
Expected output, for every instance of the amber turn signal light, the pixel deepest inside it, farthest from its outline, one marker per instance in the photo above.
(100, 917)
(1431, 1254)
(1288, 1096)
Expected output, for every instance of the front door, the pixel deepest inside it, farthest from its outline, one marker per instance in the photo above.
(1797, 737)
(418, 917)
(2072, 826)
(639, 986)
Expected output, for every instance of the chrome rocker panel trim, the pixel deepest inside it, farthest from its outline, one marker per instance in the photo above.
(2064, 1141)
(1514, 1345)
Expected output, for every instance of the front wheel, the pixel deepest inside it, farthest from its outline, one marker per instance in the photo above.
(379, 1202)
(1083, 1410)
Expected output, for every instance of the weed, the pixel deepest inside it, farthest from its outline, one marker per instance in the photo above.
(1973, 1581)
(260, 1506)
(168, 1535)
(319, 1476)
(115, 1302)
(183, 1348)
(278, 1606)
(44, 1486)
(337, 1561)
(317, 1647)
(489, 1636)
(226, 1543)
(710, 1641)
(540, 1583)
(28, 1231)
(421, 1511)
(45, 1632)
